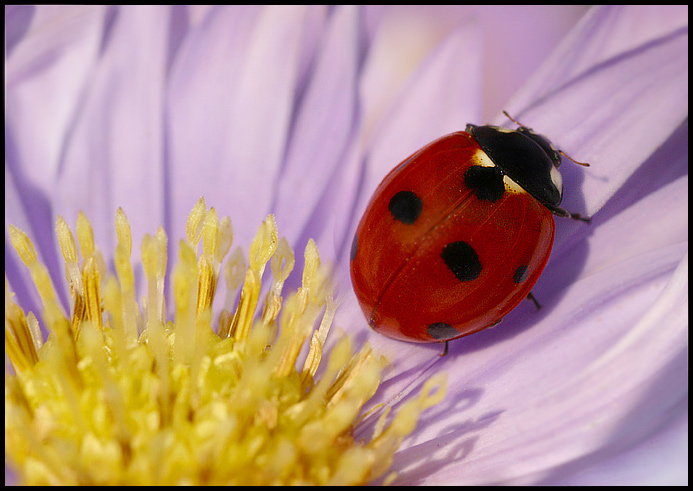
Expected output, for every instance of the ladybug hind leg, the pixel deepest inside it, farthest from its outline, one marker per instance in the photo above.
(534, 299)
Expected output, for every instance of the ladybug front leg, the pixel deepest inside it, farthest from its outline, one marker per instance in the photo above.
(560, 212)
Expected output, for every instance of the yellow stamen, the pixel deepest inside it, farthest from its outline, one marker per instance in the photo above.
(19, 339)
(121, 395)
(128, 314)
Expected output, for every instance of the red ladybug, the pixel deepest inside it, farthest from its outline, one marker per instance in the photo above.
(456, 236)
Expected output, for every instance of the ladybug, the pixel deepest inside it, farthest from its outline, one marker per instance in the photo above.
(456, 236)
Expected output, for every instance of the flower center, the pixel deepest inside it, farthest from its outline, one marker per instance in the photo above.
(119, 394)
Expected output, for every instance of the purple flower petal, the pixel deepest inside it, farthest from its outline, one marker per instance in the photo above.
(116, 138)
(55, 47)
(230, 101)
(324, 126)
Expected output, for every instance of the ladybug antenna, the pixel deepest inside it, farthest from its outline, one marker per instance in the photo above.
(584, 164)
(512, 119)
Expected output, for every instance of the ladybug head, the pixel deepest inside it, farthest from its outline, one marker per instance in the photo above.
(528, 158)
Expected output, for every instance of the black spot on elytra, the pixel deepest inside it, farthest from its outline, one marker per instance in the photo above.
(354, 247)
(520, 274)
(442, 331)
(405, 206)
(486, 181)
(462, 260)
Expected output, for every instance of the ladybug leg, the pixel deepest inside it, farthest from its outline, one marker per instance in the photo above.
(577, 216)
(445, 351)
(533, 299)
(560, 212)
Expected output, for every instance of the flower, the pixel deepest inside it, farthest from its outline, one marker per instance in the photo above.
(301, 111)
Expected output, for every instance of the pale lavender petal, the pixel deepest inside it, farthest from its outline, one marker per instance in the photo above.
(516, 418)
(47, 68)
(324, 127)
(661, 459)
(115, 145)
(604, 33)
(46, 74)
(653, 223)
(515, 40)
(232, 92)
